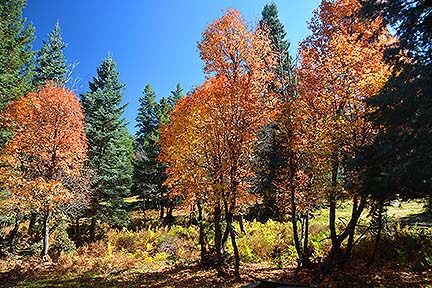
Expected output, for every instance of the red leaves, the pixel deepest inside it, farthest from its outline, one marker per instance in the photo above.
(209, 142)
(340, 67)
(49, 143)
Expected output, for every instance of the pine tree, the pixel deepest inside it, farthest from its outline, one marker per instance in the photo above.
(109, 142)
(147, 177)
(400, 160)
(50, 61)
(147, 118)
(148, 171)
(176, 95)
(15, 56)
(269, 151)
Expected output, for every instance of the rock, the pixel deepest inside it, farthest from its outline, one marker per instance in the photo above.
(395, 203)
(114, 272)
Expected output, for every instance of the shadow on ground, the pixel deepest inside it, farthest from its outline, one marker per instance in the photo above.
(420, 220)
(193, 276)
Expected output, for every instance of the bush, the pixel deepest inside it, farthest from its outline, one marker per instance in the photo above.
(264, 241)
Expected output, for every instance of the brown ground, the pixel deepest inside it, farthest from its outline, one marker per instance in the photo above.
(194, 276)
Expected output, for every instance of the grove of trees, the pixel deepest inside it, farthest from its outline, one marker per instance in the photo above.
(265, 136)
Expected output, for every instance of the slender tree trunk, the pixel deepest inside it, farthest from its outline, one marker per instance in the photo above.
(350, 242)
(236, 252)
(14, 232)
(378, 235)
(201, 233)
(335, 249)
(46, 222)
(77, 231)
(93, 228)
(32, 224)
(306, 239)
(332, 200)
(218, 238)
(170, 210)
(162, 206)
(227, 227)
(93, 223)
(241, 223)
(294, 216)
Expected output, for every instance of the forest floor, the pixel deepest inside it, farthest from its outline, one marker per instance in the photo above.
(31, 272)
(194, 276)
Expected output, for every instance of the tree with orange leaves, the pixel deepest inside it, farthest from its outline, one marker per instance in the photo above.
(209, 144)
(46, 154)
(341, 65)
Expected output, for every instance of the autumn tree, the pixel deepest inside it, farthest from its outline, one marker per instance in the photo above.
(269, 160)
(110, 147)
(285, 173)
(228, 110)
(341, 65)
(48, 149)
(50, 61)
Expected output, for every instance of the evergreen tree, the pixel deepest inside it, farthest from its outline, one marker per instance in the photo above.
(400, 160)
(176, 95)
(147, 175)
(269, 151)
(15, 56)
(270, 18)
(164, 108)
(50, 61)
(110, 149)
(148, 171)
(147, 118)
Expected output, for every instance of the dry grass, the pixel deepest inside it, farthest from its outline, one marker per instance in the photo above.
(168, 258)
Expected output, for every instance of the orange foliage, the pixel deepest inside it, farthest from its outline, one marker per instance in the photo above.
(49, 144)
(341, 65)
(209, 143)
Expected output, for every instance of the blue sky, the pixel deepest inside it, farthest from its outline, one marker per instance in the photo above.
(152, 42)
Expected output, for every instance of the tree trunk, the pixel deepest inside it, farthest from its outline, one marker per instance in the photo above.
(32, 224)
(332, 200)
(46, 222)
(161, 210)
(14, 232)
(297, 243)
(378, 235)
(94, 214)
(350, 242)
(236, 252)
(77, 232)
(306, 239)
(218, 238)
(242, 227)
(335, 249)
(170, 210)
(227, 227)
(202, 243)
(92, 231)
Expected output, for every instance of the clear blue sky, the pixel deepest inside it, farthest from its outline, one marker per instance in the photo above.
(152, 42)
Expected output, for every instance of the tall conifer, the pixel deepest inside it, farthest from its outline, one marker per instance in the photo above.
(15, 56)
(148, 171)
(109, 142)
(51, 62)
